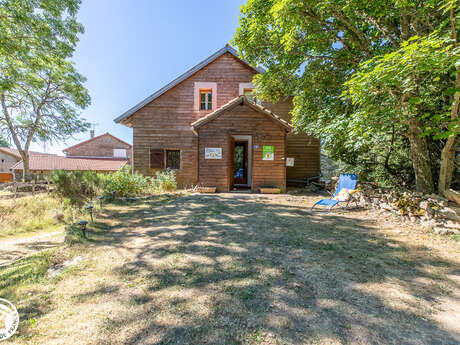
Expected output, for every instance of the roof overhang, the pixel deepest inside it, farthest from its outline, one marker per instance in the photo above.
(178, 80)
(12, 154)
(237, 101)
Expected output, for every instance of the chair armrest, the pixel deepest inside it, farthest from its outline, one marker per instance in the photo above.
(329, 193)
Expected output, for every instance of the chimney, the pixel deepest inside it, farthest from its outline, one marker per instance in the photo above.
(91, 133)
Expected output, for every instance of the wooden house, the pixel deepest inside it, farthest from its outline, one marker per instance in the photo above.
(206, 126)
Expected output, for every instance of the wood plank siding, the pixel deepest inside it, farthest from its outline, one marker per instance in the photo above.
(305, 149)
(165, 122)
(242, 120)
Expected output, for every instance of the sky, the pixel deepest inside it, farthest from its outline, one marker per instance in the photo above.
(132, 48)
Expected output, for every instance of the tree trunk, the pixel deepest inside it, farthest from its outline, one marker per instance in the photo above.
(25, 162)
(448, 152)
(420, 158)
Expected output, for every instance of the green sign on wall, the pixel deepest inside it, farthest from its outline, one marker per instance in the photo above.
(268, 153)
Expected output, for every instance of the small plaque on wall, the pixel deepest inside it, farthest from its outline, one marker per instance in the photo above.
(213, 153)
(289, 162)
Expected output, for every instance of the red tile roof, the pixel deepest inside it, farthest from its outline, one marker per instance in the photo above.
(14, 152)
(49, 162)
(97, 137)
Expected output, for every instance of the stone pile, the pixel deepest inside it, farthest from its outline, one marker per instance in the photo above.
(430, 211)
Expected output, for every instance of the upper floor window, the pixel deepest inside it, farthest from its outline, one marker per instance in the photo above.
(205, 99)
(249, 94)
(119, 153)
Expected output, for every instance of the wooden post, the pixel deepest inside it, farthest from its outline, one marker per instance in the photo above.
(15, 189)
(33, 187)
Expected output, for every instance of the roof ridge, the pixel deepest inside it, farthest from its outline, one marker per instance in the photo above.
(226, 49)
(93, 138)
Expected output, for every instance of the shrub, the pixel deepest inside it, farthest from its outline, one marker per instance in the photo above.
(164, 180)
(77, 186)
(125, 183)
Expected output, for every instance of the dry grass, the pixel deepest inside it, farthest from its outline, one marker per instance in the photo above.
(30, 214)
(242, 269)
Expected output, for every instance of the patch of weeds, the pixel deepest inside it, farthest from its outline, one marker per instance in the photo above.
(30, 270)
(74, 235)
(455, 237)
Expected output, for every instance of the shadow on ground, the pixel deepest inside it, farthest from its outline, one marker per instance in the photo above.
(212, 269)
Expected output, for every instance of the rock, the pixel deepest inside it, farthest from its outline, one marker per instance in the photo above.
(448, 213)
(424, 205)
(453, 195)
(56, 269)
(440, 230)
(386, 206)
(452, 225)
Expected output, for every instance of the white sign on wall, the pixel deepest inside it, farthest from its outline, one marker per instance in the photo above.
(289, 162)
(213, 153)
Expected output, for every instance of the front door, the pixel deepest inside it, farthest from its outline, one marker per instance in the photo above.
(240, 163)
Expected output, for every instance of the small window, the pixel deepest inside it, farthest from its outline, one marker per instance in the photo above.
(249, 94)
(157, 160)
(119, 153)
(206, 99)
(173, 159)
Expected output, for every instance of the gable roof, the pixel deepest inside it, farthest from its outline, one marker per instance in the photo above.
(15, 152)
(181, 78)
(95, 138)
(49, 162)
(241, 100)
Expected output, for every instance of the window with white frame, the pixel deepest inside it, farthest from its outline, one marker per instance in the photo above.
(119, 153)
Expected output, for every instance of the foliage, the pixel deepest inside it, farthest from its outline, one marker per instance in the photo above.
(401, 51)
(164, 180)
(81, 187)
(421, 68)
(4, 142)
(125, 183)
(41, 92)
(77, 186)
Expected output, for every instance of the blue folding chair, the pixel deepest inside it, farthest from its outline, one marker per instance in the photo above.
(347, 181)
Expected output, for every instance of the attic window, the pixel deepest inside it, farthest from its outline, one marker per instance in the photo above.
(119, 153)
(205, 99)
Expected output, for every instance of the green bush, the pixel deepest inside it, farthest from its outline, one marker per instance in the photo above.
(77, 186)
(125, 183)
(80, 187)
(164, 181)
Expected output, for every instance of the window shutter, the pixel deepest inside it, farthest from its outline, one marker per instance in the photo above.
(157, 159)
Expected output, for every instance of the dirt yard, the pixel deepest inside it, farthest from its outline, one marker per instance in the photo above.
(241, 269)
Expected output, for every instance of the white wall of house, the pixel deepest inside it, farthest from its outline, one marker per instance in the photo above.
(6, 162)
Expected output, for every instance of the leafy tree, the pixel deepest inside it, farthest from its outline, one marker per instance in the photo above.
(4, 142)
(40, 90)
(312, 48)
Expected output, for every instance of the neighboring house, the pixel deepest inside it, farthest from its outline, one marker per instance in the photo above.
(44, 164)
(103, 146)
(104, 153)
(9, 157)
(206, 126)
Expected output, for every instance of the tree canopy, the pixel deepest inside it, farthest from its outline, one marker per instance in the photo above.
(375, 81)
(41, 93)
